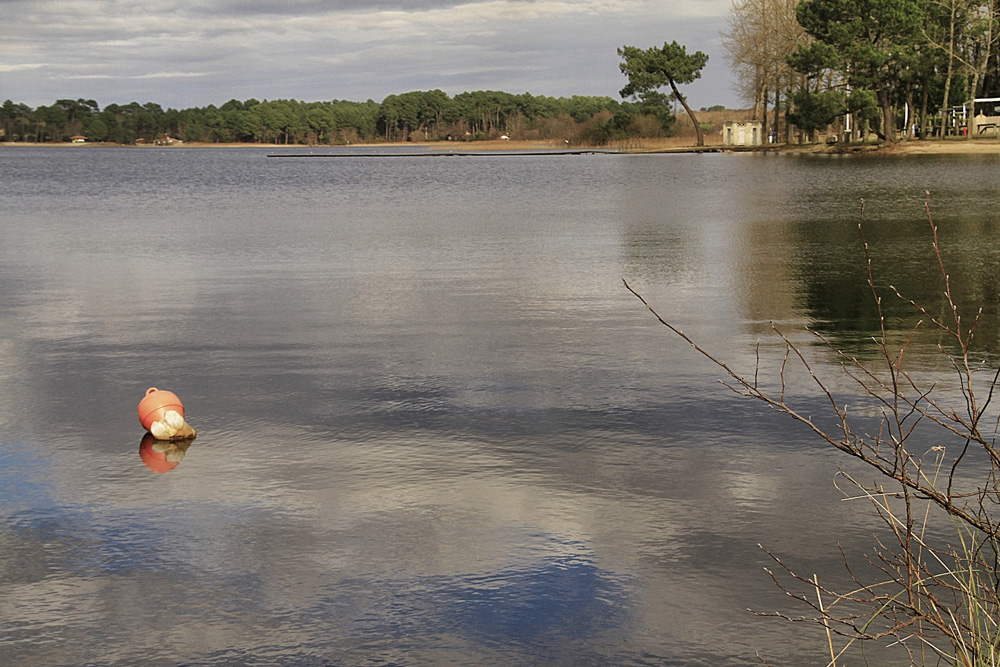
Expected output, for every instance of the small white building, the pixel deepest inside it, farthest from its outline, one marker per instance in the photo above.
(742, 133)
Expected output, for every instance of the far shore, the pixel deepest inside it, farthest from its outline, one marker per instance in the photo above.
(668, 145)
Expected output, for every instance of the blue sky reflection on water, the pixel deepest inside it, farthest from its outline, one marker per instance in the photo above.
(540, 608)
(22, 479)
(547, 610)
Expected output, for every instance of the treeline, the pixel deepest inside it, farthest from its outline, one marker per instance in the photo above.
(415, 116)
(899, 67)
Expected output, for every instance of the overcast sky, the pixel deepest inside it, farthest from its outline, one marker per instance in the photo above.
(192, 53)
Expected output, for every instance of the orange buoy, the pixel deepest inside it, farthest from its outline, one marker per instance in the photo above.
(155, 405)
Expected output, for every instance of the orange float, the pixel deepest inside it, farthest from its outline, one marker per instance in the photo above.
(155, 404)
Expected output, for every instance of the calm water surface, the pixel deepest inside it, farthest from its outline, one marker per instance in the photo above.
(434, 428)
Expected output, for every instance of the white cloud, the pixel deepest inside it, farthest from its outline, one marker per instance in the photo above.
(21, 67)
(171, 75)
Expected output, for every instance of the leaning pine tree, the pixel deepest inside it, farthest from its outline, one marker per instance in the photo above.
(652, 68)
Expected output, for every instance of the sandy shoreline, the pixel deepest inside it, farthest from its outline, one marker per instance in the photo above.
(957, 146)
(674, 145)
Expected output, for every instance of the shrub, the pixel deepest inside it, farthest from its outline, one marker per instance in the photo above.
(936, 598)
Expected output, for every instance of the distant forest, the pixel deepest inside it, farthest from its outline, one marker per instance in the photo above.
(415, 116)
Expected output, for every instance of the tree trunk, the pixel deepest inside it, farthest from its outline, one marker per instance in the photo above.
(972, 106)
(907, 133)
(764, 127)
(760, 99)
(888, 118)
(777, 110)
(923, 111)
(680, 98)
(947, 78)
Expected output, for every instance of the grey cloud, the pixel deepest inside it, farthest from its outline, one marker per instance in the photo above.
(183, 54)
(307, 8)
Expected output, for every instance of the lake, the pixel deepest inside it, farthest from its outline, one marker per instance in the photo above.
(434, 428)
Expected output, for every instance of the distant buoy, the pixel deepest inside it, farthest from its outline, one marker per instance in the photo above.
(162, 414)
(154, 405)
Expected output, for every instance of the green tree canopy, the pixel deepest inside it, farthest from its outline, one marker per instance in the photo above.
(870, 43)
(814, 111)
(417, 115)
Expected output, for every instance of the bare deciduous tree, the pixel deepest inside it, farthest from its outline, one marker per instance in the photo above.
(759, 37)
